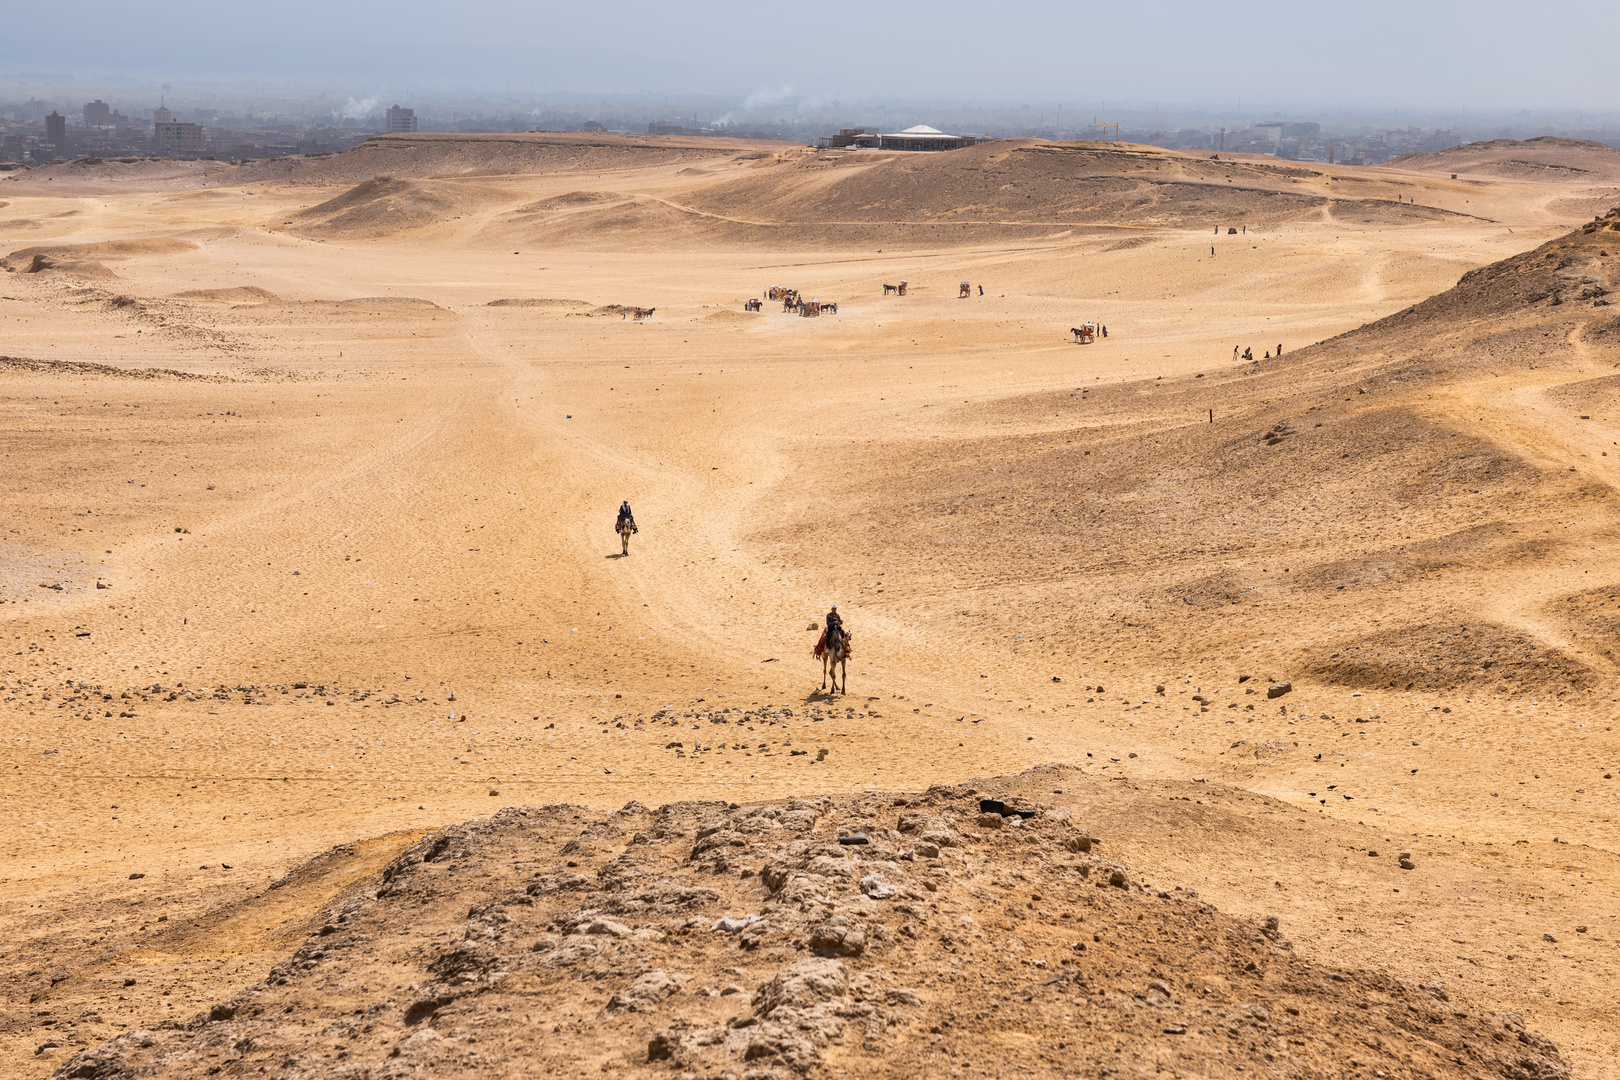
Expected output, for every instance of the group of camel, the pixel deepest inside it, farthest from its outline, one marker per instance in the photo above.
(791, 301)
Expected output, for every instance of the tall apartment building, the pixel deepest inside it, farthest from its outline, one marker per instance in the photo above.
(56, 130)
(177, 137)
(97, 113)
(400, 121)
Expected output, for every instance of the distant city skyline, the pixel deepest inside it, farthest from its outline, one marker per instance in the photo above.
(138, 119)
(1265, 55)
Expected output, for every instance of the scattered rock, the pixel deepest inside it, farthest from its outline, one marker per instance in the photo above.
(1278, 689)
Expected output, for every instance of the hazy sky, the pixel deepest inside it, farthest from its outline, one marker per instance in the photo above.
(1378, 53)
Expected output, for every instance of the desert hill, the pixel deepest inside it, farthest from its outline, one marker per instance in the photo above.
(430, 156)
(994, 191)
(957, 929)
(1548, 159)
(424, 156)
(88, 260)
(385, 205)
(92, 176)
(1021, 181)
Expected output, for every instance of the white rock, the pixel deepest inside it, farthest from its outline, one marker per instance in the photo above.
(877, 888)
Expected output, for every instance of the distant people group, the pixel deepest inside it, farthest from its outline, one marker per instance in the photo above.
(1248, 353)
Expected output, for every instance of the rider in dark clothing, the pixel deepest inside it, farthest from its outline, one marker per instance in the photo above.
(625, 515)
(835, 625)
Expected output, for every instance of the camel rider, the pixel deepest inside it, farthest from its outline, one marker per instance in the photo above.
(624, 516)
(835, 625)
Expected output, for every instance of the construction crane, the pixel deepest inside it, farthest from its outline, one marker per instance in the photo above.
(1105, 126)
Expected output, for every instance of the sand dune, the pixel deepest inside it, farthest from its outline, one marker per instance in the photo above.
(384, 206)
(360, 584)
(1018, 181)
(533, 153)
(1549, 159)
(87, 260)
(536, 302)
(240, 294)
(94, 176)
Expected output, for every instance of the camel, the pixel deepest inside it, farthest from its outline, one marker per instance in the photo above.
(835, 657)
(625, 528)
(887, 289)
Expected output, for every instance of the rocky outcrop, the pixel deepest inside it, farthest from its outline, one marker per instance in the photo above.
(707, 939)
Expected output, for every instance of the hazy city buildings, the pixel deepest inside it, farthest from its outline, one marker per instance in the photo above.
(56, 131)
(399, 121)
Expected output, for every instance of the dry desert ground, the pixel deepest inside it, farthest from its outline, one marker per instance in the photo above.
(308, 471)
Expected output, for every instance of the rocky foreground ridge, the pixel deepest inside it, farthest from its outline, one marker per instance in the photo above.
(944, 933)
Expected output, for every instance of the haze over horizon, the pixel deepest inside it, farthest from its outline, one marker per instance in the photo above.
(1373, 55)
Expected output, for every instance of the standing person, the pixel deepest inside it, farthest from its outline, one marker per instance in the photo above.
(1279, 348)
(981, 290)
(1105, 329)
(1234, 354)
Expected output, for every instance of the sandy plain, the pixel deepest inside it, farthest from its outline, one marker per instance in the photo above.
(353, 513)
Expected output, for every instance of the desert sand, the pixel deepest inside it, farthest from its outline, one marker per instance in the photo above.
(309, 478)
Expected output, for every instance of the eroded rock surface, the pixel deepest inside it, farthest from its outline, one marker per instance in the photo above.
(715, 940)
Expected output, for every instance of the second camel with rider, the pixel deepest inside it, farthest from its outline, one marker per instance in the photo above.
(834, 624)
